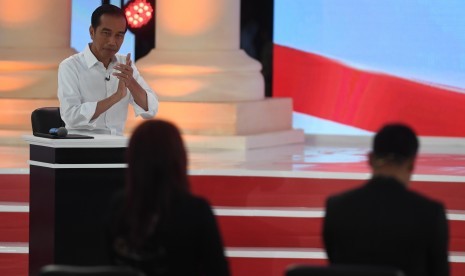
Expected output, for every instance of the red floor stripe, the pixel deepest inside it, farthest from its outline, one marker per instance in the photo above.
(303, 192)
(14, 227)
(14, 264)
(242, 231)
(14, 187)
(297, 232)
(271, 232)
(267, 191)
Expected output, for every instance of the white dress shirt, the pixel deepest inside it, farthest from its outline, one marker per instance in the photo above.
(83, 81)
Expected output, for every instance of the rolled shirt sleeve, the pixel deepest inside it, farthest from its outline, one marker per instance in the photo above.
(74, 112)
(152, 100)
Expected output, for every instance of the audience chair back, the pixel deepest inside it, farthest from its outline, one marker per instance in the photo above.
(67, 270)
(342, 270)
(45, 118)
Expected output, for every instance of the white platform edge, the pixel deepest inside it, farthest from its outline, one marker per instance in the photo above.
(99, 141)
(318, 175)
(245, 142)
(269, 139)
(77, 166)
(428, 144)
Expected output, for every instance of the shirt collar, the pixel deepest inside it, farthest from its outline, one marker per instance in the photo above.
(90, 58)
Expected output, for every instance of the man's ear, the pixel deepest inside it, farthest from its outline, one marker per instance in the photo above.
(375, 162)
(370, 159)
(91, 31)
(411, 165)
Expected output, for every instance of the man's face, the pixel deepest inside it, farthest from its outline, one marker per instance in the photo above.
(107, 37)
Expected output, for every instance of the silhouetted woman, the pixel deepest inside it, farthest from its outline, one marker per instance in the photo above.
(159, 226)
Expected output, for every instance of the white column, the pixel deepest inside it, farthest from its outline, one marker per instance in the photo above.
(209, 87)
(34, 39)
(197, 56)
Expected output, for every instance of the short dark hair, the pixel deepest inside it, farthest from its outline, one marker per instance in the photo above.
(395, 142)
(106, 9)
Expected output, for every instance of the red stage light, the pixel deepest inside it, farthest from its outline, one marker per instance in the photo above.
(138, 13)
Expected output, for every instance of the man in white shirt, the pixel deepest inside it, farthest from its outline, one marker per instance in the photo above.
(96, 86)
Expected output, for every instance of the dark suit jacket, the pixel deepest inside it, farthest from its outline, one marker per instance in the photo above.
(384, 223)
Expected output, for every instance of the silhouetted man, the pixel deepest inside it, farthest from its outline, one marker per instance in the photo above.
(384, 223)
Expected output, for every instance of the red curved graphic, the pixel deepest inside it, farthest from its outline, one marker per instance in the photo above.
(330, 90)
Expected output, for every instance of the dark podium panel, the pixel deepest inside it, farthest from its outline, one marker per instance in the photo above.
(71, 185)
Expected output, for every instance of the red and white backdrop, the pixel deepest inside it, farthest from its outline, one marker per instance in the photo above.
(351, 66)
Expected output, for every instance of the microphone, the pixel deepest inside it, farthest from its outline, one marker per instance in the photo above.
(107, 78)
(60, 132)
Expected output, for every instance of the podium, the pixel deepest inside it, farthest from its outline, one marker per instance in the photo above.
(71, 184)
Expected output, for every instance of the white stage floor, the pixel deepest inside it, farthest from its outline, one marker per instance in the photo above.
(338, 156)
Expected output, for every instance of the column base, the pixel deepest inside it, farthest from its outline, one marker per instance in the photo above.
(231, 125)
(225, 118)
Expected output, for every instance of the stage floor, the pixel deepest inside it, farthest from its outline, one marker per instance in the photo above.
(269, 201)
(320, 156)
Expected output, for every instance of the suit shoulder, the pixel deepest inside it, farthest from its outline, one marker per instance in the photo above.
(424, 200)
(343, 197)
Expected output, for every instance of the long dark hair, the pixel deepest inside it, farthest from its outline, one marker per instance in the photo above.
(157, 173)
